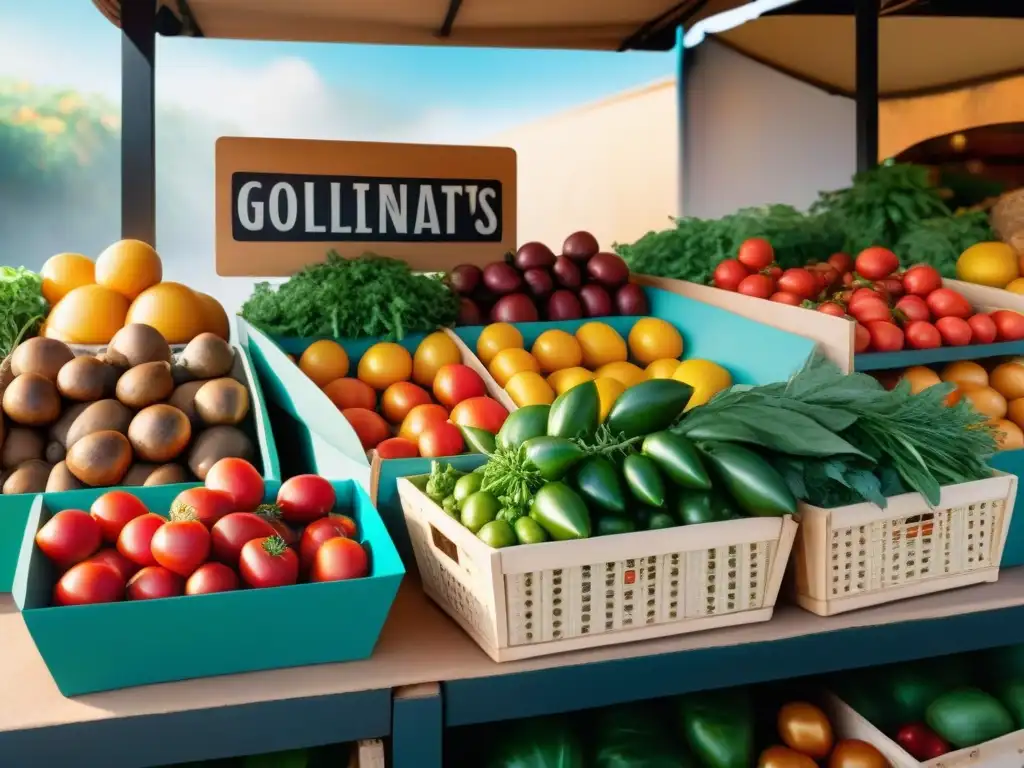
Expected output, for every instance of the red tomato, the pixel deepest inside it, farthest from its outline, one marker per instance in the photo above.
(110, 557)
(922, 335)
(861, 338)
(983, 328)
(956, 332)
(827, 276)
(865, 294)
(239, 480)
(113, 509)
(418, 419)
(455, 382)
(397, 448)
(304, 498)
(441, 439)
(87, 584)
(211, 577)
(400, 398)
(480, 412)
(339, 559)
(921, 280)
(69, 537)
(154, 582)
(1009, 325)
(783, 297)
(801, 282)
(831, 308)
(369, 427)
(774, 272)
(317, 533)
(181, 545)
(945, 302)
(892, 286)
(728, 274)
(272, 514)
(233, 531)
(920, 742)
(755, 253)
(136, 536)
(207, 505)
(867, 311)
(347, 524)
(758, 286)
(885, 337)
(268, 562)
(875, 263)
(841, 262)
(913, 308)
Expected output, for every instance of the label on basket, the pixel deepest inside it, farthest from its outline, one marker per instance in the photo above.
(284, 203)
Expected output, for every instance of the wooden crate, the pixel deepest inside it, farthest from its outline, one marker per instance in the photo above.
(527, 601)
(861, 555)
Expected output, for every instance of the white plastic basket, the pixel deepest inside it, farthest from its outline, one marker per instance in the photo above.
(368, 753)
(527, 601)
(861, 555)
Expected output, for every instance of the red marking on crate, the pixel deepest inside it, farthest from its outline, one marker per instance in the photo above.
(629, 577)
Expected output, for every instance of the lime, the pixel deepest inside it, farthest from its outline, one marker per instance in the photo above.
(610, 525)
(528, 531)
(497, 534)
(467, 485)
(661, 520)
(479, 508)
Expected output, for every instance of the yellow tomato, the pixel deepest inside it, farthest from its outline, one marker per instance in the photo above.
(1016, 285)
(661, 369)
(963, 372)
(805, 728)
(171, 308)
(529, 388)
(654, 339)
(65, 272)
(608, 391)
(129, 267)
(508, 362)
(434, 352)
(324, 361)
(384, 364)
(564, 380)
(556, 350)
(993, 264)
(89, 314)
(496, 337)
(601, 344)
(627, 374)
(706, 378)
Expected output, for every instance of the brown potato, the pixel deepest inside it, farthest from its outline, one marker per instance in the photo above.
(55, 452)
(61, 479)
(97, 417)
(214, 444)
(32, 399)
(100, 459)
(29, 477)
(136, 344)
(222, 402)
(184, 399)
(20, 446)
(41, 356)
(145, 384)
(87, 379)
(159, 433)
(207, 356)
(59, 429)
(168, 474)
(137, 474)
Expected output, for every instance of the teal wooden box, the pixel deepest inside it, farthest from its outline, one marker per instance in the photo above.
(119, 645)
(14, 510)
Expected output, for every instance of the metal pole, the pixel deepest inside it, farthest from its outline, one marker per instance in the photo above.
(867, 83)
(138, 123)
(681, 67)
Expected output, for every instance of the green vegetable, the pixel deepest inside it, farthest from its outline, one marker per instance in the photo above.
(659, 520)
(940, 241)
(609, 525)
(695, 507)
(1011, 694)
(539, 743)
(351, 299)
(576, 412)
(560, 511)
(441, 482)
(22, 307)
(451, 507)
(479, 509)
(719, 727)
(650, 406)
(678, 458)
(528, 531)
(466, 485)
(644, 480)
(755, 484)
(511, 477)
(599, 484)
(967, 717)
(553, 456)
(912, 687)
(523, 424)
(295, 758)
(630, 736)
(498, 534)
(478, 440)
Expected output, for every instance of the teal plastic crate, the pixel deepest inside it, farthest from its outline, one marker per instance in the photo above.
(119, 645)
(1012, 462)
(14, 510)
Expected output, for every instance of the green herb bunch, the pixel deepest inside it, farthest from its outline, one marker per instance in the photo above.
(22, 306)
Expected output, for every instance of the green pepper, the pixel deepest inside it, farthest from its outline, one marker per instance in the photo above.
(644, 480)
(911, 688)
(576, 412)
(539, 743)
(609, 525)
(553, 456)
(561, 512)
(719, 727)
(659, 520)
(966, 717)
(522, 424)
(478, 440)
(1011, 694)
(642, 515)
(756, 485)
(678, 458)
(528, 531)
(696, 507)
(631, 736)
(649, 406)
(598, 482)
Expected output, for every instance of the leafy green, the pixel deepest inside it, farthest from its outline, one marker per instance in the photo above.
(353, 298)
(441, 482)
(940, 241)
(22, 306)
(513, 479)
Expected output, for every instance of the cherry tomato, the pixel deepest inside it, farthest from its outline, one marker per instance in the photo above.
(239, 480)
(88, 584)
(480, 412)
(983, 328)
(211, 577)
(758, 286)
(400, 398)
(801, 282)
(397, 448)
(921, 742)
(956, 332)
(827, 276)
(892, 286)
(831, 308)
(728, 274)
(455, 382)
(774, 272)
(69, 537)
(207, 505)
(441, 439)
(113, 509)
(921, 280)
(848, 279)
(418, 419)
(368, 425)
(305, 498)
(922, 335)
(945, 302)
(268, 562)
(784, 297)
(136, 536)
(841, 262)
(755, 253)
(885, 337)
(317, 533)
(913, 308)
(233, 531)
(113, 559)
(861, 338)
(865, 294)
(154, 582)
(338, 559)
(870, 310)
(1009, 325)
(181, 545)
(876, 262)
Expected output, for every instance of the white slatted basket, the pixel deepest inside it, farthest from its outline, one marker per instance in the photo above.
(368, 753)
(525, 601)
(861, 555)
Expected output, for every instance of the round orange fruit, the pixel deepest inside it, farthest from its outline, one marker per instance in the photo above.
(89, 314)
(171, 308)
(215, 318)
(324, 361)
(129, 267)
(63, 273)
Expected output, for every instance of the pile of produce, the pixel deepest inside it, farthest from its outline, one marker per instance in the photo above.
(90, 302)
(534, 284)
(216, 538)
(131, 415)
(405, 405)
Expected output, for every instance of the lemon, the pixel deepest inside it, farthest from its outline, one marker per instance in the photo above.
(1016, 285)
(706, 378)
(529, 388)
(601, 345)
(556, 350)
(496, 337)
(626, 373)
(508, 362)
(662, 369)
(993, 264)
(654, 339)
(608, 391)
(566, 379)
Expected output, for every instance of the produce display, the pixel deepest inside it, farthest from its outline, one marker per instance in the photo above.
(216, 538)
(535, 284)
(133, 414)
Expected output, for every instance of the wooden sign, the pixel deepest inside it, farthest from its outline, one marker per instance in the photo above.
(284, 203)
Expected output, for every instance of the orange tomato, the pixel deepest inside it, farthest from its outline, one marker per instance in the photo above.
(65, 272)
(435, 351)
(129, 267)
(419, 418)
(171, 308)
(383, 364)
(920, 378)
(986, 400)
(400, 398)
(442, 438)
(351, 393)
(1009, 436)
(397, 448)
(455, 383)
(369, 427)
(480, 412)
(324, 361)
